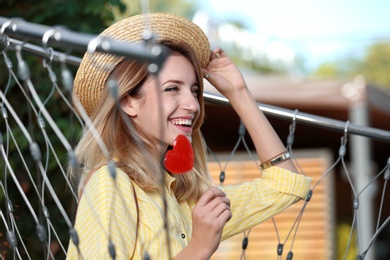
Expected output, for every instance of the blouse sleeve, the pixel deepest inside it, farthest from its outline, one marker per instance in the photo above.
(106, 215)
(255, 201)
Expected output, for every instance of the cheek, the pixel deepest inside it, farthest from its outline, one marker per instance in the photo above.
(166, 105)
(153, 111)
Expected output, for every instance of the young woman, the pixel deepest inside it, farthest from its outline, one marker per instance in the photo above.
(122, 212)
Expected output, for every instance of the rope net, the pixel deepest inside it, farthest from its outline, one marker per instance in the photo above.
(40, 128)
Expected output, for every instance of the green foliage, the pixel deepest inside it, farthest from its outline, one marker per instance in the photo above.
(182, 7)
(89, 16)
(374, 66)
(327, 69)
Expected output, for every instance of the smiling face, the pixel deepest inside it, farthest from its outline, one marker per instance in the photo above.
(167, 104)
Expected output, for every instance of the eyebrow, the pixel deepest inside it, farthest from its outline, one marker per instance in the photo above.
(195, 83)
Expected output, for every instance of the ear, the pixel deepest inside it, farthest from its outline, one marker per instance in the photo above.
(130, 105)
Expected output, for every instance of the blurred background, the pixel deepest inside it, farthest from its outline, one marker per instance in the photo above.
(328, 58)
(302, 37)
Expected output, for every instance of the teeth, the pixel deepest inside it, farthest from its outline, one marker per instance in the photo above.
(187, 122)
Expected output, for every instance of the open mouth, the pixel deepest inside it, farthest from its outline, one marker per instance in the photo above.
(182, 122)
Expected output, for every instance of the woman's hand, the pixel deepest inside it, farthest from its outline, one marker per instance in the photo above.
(208, 219)
(223, 74)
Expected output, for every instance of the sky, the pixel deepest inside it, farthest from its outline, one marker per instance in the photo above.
(320, 30)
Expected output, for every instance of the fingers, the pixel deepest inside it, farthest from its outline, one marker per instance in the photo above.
(210, 195)
(206, 74)
(216, 204)
(209, 216)
(214, 55)
(225, 215)
(222, 210)
(220, 52)
(217, 53)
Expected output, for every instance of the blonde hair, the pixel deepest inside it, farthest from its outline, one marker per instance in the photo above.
(134, 151)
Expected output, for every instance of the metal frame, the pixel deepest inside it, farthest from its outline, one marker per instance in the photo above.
(61, 37)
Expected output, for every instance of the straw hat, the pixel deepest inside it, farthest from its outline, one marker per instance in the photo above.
(95, 68)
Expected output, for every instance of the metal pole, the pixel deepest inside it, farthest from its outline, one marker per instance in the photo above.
(41, 52)
(60, 36)
(309, 119)
(21, 29)
(362, 170)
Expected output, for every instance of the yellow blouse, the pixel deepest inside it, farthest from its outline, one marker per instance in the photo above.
(107, 212)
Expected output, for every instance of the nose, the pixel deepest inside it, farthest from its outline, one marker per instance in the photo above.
(190, 101)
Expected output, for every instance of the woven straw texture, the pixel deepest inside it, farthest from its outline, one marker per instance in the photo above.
(95, 68)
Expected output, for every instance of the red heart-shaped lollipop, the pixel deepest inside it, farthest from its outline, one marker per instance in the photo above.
(181, 158)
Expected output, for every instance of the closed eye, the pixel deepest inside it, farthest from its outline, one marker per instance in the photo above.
(169, 89)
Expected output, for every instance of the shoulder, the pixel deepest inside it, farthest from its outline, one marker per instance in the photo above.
(109, 174)
(106, 180)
